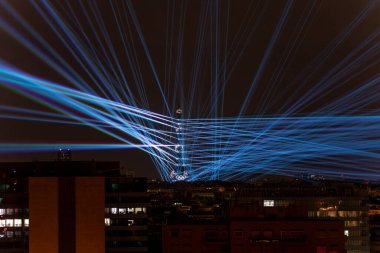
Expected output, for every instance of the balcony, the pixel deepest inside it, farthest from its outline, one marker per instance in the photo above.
(288, 239)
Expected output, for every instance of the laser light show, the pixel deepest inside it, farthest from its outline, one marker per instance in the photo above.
(206, 90)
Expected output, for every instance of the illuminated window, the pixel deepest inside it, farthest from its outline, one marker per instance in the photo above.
(17, 222)
(122, 210)
(9, 222)
(346, 233)
(4, 187)
(268, 202)
(282, 202)
(114, 210)
(328, 208)
(2, 223)
(131, 210)
(26, 222)
(130, 222)
(9, 211)
(331, 214)
(353, 223)
(107, 221)
(2, 211)
(349, 213)
(138, 210)
(115, 187)
(327, 214)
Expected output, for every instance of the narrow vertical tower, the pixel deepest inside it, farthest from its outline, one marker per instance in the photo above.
(180, 171)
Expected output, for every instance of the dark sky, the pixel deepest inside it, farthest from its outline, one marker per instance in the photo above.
(230, 38)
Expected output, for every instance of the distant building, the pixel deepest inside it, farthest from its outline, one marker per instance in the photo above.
(126, 217)
(374, 218)
(14, 214)
(257, 230)
(322, 200)
(322, 236)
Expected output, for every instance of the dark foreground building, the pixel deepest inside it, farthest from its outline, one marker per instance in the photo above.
(68, 206)
(71, 206)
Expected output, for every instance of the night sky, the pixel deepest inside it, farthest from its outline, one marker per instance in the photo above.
(230, 38)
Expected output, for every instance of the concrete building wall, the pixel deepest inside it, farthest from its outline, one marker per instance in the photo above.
(43, 213)
(89, 198)
(66, 215)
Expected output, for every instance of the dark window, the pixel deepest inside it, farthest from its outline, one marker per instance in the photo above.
(174, 233)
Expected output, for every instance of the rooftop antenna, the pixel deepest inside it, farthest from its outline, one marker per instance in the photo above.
(64, 155)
